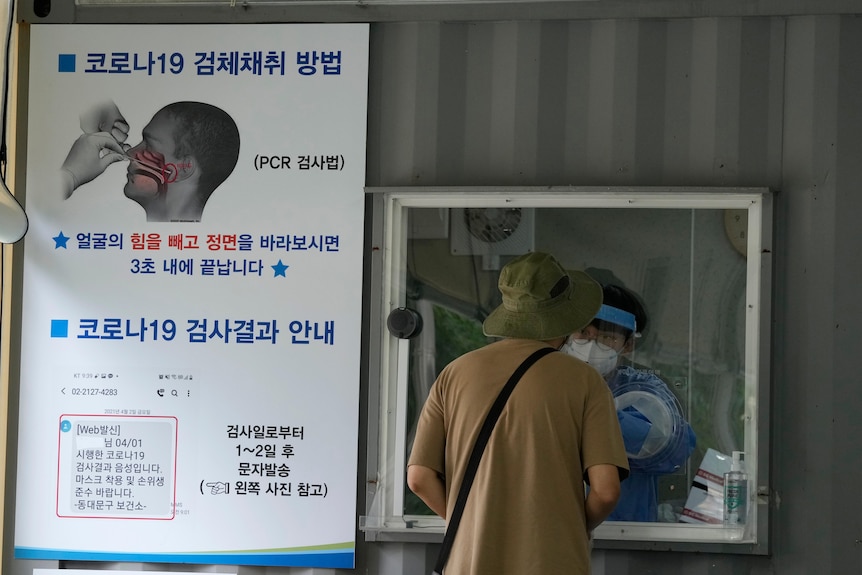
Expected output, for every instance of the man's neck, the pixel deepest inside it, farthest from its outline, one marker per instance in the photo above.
(180, 203)
(557, 342)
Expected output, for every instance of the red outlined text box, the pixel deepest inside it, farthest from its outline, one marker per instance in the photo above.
(116, 466)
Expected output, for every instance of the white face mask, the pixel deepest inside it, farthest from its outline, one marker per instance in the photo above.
(603, 360)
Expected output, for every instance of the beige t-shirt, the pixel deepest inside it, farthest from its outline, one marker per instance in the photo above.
(525, 513)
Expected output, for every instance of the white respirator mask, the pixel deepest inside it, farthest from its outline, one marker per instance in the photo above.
(600, 357)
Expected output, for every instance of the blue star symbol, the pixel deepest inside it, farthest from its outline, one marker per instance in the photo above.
(60, 241)
(279, 269)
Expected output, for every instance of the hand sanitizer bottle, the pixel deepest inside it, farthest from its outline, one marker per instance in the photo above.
(736, 492)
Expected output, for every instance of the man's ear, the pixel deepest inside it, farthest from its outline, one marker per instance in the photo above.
(629, 346)
(183, 169)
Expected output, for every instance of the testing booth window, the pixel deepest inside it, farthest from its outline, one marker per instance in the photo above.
(690, 266)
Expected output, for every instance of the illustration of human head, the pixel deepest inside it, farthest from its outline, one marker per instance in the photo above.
(187, 150)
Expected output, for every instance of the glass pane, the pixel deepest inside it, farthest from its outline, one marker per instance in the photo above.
(453, 335)
(679, 264)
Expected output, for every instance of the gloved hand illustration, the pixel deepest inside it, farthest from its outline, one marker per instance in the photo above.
(90, 155)
(105, 117)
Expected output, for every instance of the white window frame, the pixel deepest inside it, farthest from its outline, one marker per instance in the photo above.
(388, 363)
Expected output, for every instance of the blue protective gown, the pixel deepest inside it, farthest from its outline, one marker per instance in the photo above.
(639, 492)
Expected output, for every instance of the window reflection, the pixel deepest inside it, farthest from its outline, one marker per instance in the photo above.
(681, 263)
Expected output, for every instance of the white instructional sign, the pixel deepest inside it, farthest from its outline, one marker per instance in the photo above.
(192, 294)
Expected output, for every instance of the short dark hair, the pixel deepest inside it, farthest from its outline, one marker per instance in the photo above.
(626, 300)
(210, 135)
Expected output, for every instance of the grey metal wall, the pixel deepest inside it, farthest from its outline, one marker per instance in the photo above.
(716, 101)
(762, 101)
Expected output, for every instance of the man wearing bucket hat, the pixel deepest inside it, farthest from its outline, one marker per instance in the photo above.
(526, 511)
(657, 437)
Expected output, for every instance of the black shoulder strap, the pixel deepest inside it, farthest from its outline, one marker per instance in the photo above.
(476, 455)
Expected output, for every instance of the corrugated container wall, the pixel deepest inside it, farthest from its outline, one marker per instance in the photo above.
(720, 101)
(766, 101)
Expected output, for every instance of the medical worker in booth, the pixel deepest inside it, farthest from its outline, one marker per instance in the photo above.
(658, 439)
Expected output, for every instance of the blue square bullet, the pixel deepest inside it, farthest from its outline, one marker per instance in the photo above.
(59, 328)
(66, 63)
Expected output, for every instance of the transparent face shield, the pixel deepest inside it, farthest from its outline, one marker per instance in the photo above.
(650, 415)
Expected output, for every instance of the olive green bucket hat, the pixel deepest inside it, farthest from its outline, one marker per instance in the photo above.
(541, 300)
